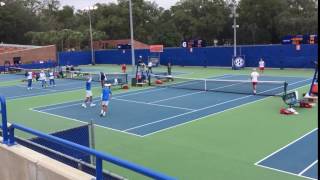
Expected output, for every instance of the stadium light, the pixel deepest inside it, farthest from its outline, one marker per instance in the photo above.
(2, 4)
(89, 9)
(234, 15)
(132, 39)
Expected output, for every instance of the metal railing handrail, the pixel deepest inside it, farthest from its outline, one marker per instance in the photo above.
(99, 155)
(4, 125)
(9, 139)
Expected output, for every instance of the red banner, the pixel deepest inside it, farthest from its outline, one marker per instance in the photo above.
(156, 48)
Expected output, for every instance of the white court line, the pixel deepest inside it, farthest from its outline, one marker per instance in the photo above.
(105, 127)
(263, 75)
(32, 95)
(189, 122)
(166, 119)
(139, 102)
(40, 94)
(141, 92)
(159, 89)
(257, 163)
(120, 95)
(42, 89)
(286, 172)
(299, 175)
(176, 97)
(65, 106)
(307, 168)
(208, 107)
(164, 128)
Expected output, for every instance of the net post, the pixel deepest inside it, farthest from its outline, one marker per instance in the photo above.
(285, 88)
(149, 79)
(205, 85)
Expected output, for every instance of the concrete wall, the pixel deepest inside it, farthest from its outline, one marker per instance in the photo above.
(20, 163)
(30, 55)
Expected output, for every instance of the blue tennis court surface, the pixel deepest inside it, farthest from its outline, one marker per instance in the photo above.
(9, 77)
(20, 90)
(149, 111)
(298, 158)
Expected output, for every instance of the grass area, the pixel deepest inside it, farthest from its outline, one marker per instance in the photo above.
(224, 146)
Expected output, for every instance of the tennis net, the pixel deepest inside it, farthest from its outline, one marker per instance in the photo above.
(264, 88)
(111, 78)
(22, 71)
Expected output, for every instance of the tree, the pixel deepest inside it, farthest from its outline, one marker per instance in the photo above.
(15, 20)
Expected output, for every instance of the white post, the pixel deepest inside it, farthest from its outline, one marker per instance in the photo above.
(132, 39)
(234, 15)
(2, 4)
(234, 32)
(91, 39)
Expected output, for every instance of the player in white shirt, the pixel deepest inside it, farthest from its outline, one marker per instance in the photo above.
(261, 65)
(150, 65)
(29, 79)
(51, 79)
(254, 78)
(43, 79)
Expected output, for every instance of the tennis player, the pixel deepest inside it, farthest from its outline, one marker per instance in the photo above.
(88, 98)
(124, 68)
(102, 79)
(261, 65)
(43, 79)
(29, 79)
(51, 79)
(150, 65)
(105, 97)
(254, 78)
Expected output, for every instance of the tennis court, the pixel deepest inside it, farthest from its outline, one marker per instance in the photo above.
(158, 109)
(298, 158)
(215, 130)
(20, 90)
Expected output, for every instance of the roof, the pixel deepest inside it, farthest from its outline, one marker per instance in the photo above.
(18, 46)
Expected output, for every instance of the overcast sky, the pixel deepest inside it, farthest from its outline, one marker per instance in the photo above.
(81, 4)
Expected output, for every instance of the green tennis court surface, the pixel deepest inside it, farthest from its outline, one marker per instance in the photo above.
(222, 146)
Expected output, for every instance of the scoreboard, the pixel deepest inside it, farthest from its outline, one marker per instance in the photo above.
(193, 43)
(300, 39)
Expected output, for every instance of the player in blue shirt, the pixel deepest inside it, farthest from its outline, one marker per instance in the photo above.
(88, 98)
(105, 98)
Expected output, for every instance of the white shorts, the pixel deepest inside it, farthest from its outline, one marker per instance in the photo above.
(88, 94)
(105, 103)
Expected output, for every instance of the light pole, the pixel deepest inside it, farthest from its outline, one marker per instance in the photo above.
(93, 62)
(132, 40)
(234, 15)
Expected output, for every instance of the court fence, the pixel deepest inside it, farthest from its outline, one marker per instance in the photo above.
(9, 138)
(275, 56)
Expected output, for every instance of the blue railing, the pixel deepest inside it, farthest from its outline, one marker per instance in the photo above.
(9, 138)
(4, 126)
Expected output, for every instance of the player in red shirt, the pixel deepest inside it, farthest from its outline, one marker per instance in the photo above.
(124, 68)
(261, 65)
